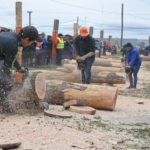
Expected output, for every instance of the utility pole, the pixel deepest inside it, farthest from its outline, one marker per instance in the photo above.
(91, 29)
(121, 40)
(77, 19)
(29, 17)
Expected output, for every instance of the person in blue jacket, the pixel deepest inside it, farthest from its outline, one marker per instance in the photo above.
(133, 62)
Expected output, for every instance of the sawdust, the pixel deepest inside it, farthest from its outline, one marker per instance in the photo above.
(128, 127)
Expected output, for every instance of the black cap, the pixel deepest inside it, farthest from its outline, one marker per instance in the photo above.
(29, 32)
(129, 45)
(60, 34)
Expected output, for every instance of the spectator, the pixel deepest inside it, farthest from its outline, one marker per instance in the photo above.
(59, 49)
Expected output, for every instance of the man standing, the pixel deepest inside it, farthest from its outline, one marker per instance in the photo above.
(59, 49)
(133, 62)
(85, 52)
(9, 42)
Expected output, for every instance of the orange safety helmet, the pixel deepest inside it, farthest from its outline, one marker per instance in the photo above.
(84, 31)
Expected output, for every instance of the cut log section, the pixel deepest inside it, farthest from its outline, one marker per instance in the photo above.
(82, 110)
(33, 88)
(97, 77)
(75, 103)
(10, 145)
(57, 114)
(103, 97)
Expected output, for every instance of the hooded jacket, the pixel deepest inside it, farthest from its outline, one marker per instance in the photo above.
(133, 58)
(8, 50)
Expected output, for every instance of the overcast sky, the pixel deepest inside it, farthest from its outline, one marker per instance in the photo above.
(101, 14)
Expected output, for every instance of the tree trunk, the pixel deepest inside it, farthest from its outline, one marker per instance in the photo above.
(95, 69)
(145, 58)
(103, 59)
(75, 76)
(32, 89)
(103, 97)
(104, 62)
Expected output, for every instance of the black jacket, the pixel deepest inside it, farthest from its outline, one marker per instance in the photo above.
(84, 46)
(8, 50)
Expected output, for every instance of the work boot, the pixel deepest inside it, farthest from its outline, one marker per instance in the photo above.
(130, 87)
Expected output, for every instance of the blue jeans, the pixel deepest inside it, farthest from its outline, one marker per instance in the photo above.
(133, 76)
(86, 73)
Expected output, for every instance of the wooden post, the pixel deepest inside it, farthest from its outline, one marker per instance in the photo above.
(19, 27)
(109, 41)
(75, 30)
(102, 41)
(54, 36)
(121, 40)
(91, 29)
(18, 16)
(75, 35)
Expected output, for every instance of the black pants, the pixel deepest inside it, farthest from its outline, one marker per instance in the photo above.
(58, 56)
(86, 72)
(5, 87)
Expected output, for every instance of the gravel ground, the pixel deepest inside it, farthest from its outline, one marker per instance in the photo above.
(125, 128)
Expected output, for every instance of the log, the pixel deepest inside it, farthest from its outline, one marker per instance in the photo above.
(102, 97)
(97, 62)
(95, 69)
(32, 89)
(82, 110)
(145, 58)
(75, 76)
(102, 59)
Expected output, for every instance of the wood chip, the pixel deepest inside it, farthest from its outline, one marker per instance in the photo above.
(10, 145)
(82, 110)
(57, 114)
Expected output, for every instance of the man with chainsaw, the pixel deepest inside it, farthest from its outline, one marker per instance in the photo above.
(9, 42)
(85, 54)
(133, 63)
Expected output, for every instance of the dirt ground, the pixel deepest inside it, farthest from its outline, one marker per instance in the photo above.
(125, 128)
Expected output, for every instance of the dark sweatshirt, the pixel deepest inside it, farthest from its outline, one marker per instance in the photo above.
(8, 50)
(84, 45)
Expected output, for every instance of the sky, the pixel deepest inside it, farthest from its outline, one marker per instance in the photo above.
(101, 14)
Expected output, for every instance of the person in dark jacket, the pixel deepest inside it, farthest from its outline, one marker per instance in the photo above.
(133, 62)
(85, 52)
(9, 42)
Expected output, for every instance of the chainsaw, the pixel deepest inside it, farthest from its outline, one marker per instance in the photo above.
(20, 77)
